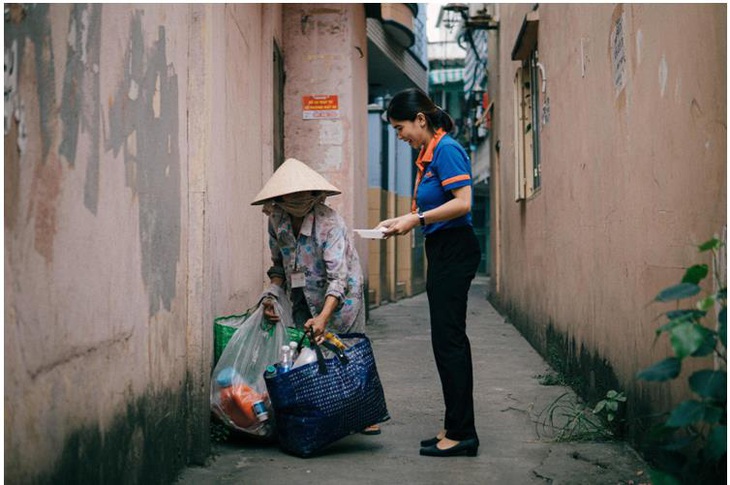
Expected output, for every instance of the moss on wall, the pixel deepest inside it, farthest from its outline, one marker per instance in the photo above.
(585, 370)
(145, 444)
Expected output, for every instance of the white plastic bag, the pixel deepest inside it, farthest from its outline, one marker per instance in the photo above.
(237, 392)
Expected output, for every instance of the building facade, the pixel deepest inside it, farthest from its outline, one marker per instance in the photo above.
(458, 57)
(398, 60)
(608, 169)
(135, 138)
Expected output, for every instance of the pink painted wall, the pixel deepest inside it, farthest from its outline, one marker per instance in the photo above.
(326, 54)
(633, 178)
(135, 138)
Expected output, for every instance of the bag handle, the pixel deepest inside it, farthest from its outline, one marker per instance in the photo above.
(321, 367)
(339, 353)
(301, 341)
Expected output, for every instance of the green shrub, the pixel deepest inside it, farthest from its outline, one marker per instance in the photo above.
(693, 438)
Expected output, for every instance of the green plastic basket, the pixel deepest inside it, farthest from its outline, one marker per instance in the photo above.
(225, 327)
(296, 335)
(223, 330)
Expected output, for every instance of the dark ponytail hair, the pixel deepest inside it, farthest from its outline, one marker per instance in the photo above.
(406, 105)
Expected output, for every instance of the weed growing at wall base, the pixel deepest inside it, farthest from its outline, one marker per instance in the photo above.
(551, 379)
(692, 442)
(568, 419)
(219, 432)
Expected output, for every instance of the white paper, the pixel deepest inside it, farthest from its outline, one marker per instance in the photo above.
(370, 233)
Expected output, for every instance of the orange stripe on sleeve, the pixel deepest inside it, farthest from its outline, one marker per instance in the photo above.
(458, 178)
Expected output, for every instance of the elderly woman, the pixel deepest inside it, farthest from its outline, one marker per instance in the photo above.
(312, 252)
(313, 255)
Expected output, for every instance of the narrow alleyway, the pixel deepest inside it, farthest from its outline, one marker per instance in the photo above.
(508, 398)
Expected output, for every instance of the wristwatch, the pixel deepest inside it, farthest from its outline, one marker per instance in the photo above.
(421, 218)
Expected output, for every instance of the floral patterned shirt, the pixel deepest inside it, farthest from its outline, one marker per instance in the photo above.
(325, 253)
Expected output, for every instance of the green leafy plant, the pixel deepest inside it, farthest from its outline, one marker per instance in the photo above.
(568, 419)
(551, 379)
(610, 405)
(694, 435)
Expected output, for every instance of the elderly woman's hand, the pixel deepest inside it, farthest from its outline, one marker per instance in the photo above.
(399, 226)
(269, 310)
(316, 326)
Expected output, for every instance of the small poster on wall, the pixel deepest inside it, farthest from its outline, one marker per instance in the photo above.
(320, 106)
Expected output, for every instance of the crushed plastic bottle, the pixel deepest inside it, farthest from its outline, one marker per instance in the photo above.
(306, 356)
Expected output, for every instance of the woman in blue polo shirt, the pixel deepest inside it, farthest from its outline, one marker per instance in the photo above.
(442, 207)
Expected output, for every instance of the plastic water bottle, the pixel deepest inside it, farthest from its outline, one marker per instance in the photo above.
(286, 359)
(294, 347)
(270, 371)
(259, 409)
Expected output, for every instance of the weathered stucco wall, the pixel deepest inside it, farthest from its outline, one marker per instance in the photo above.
(633, 178)
(242, 154)
(135, 138)
(326, 54)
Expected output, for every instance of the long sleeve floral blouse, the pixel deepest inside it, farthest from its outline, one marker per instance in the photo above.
(325, 253)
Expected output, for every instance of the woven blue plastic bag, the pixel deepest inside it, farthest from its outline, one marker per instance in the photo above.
(314, 409)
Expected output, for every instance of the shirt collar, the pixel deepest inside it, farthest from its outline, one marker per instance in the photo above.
(307, 224)
(426, 154)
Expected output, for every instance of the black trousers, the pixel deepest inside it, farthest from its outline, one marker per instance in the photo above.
(453, 258)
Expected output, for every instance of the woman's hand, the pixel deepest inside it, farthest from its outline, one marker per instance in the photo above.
(458, 206)
(399, 226)
(268, 302)
(269, 311)
(316, 326)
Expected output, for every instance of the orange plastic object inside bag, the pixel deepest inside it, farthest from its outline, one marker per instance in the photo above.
(237, 402)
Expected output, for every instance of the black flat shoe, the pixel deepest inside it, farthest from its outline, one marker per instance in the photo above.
(429, 442)
(467, 447)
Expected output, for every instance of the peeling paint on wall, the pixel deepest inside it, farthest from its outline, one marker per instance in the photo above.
(44, 191)
(12, 176)
(28, 27)
(618, 50)
(33, 25)
(14, 109)
(331, 158)
(11, 82)
(80, 107)
(663, 74)
(331, 134)
(143, 123)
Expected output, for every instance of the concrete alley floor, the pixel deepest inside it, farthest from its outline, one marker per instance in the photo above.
(508, 400)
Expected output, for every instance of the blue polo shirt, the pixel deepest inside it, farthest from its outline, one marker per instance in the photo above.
(449, 170)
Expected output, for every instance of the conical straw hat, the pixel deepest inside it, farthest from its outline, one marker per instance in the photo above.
(293, 176)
